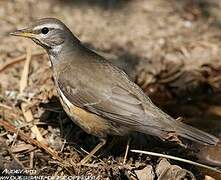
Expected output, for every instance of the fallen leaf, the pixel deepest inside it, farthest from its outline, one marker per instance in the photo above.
(166, 171)
(146, 173)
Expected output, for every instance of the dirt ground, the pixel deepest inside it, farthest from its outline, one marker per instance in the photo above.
(36, 134)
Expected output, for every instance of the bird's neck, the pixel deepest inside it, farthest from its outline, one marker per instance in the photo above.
(58, 54)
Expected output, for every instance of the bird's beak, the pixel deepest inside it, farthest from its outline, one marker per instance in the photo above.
(23, 33)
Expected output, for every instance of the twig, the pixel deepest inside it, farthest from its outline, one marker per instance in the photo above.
(87, 152)
(17, 60)
(11, 128)
(126, 151)
(5, 106)
(12, 155)
(92, 156)
(15, 158)
(31, 164)
(24, 77)
(27, 113)
(177, 159)
(29, 118)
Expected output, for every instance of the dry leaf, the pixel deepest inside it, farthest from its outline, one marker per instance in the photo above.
(146, 173)
(166, 171)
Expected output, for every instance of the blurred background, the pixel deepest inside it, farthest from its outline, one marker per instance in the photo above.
(170, 48)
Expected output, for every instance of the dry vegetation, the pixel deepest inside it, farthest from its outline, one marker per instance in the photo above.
(171, 48)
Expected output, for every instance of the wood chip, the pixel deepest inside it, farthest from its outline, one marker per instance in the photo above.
(165, 171)
(21, 147)
(146, 173)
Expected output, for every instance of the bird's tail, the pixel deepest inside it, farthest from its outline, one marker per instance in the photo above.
(196, 135)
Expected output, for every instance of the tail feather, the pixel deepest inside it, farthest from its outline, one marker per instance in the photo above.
(196, 135)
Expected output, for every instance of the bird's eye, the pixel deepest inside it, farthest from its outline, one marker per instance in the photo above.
(44, 30)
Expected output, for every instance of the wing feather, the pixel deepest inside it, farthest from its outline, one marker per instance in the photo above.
(116, 104)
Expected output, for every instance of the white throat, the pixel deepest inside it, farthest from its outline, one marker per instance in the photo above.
(54, 54)
(56, 49)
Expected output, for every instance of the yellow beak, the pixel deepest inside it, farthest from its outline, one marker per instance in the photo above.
(23, 33)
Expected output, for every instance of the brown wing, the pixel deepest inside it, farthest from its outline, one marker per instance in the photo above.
(113, 96)
(114, 101)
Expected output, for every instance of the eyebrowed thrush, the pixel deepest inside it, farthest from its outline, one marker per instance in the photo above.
(98, 96)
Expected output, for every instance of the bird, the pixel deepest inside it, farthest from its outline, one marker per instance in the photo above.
(98, 96)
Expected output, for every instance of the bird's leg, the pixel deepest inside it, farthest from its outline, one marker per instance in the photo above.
(100, 145)
(110, 146)
(127, 149)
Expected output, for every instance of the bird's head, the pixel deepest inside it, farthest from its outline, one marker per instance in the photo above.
(50, 33)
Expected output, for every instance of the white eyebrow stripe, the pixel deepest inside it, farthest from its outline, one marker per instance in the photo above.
(56, 26)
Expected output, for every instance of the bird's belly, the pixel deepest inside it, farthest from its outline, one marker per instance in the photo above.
(89, 122)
